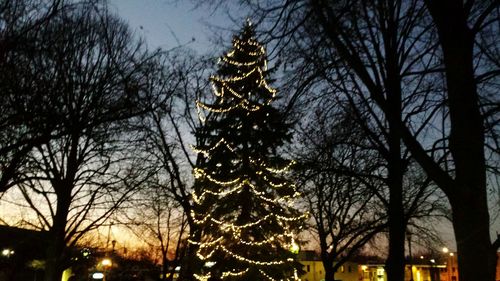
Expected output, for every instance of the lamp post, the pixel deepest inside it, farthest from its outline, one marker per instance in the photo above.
(106, 264)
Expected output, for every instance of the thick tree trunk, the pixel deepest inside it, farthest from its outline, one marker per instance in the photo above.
(397, 227)
(56, 246)
(395, 261)
(476, 256)
(164, 267)
(329, 273)
(468, 196)
(53, 270)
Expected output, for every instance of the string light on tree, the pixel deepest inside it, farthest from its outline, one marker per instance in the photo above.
(244, 202)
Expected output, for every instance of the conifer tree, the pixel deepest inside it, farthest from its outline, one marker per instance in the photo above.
(243, 200)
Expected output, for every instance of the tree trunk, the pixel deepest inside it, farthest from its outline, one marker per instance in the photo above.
(164, 266)
(395, 261)
(396, 215)
(476, 256)
(329, 273)
(56, 245)
(191, 264)
(468, 196)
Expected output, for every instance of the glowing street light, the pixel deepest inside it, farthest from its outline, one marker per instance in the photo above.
(98, 275)
(445, 250)
(106, 262)
(7, 252)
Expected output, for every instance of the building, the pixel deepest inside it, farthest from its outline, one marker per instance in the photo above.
(373, 269)
(315, 271)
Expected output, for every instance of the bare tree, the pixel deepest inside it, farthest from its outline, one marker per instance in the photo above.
(344, 179)
(396, 53)
(165, 138)
(159, 221)
(360, 48)
(469, 67)
(99, 77)
(342, 189)
(20, 129)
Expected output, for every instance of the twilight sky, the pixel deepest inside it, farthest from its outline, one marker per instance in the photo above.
(170, 23)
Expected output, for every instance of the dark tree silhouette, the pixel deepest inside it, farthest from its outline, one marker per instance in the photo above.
(20, 96)
(243, 201)
(400, 54)
(94, 76)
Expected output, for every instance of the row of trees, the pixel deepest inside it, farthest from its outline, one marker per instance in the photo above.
(392, 111)
(79, 94)
(420, 81)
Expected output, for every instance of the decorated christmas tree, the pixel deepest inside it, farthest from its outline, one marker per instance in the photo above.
(244, 204)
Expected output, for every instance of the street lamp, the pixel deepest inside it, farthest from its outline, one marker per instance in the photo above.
(106, 264)
(7, 252)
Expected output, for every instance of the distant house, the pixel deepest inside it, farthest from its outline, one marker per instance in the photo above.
(442, 267)
(366, 268)
(315, 271)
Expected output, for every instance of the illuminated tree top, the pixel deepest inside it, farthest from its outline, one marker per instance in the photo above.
(243, 199)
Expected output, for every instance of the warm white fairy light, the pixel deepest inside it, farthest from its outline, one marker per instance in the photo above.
(202, 277)
(199, 199)
(206, 244)
(263, 263)
(296, 275)
(233, 92)
(236, 78)
(225, 59)
(280, 170)
(207, 256)
(246, 90)
(201, 173)
(232, 274)
(270, 278)
(206, 152)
